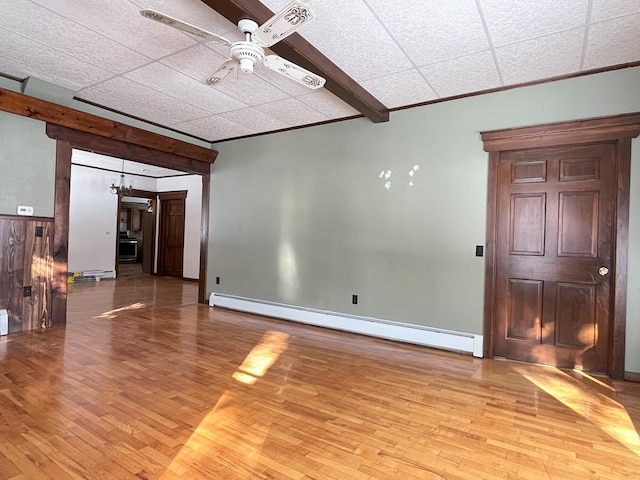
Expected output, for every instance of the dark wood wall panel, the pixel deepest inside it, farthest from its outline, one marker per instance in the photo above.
(578, 227)
(525, 309)
(576, 312)
(38, 272)
(527, 233)
(26, 260)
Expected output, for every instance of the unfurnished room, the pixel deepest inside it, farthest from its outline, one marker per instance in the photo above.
(319, 239)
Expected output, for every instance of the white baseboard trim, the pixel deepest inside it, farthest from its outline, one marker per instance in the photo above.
(402, 332)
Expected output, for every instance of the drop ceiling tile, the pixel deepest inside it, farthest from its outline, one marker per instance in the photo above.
(214, 128)
(47, 28)
(133, 92)
(200, 61)
(286, 85)
(185, 88)
(292, 111)
(613, 42)
(515, 21)
(127, 106)
(400, 89)
(345, 32)
(122, 22)
(607, 9)
(542, 57)
(472, 73)
(255, 120)
(433, 31)
(23, 57)
(327, 103)
(197, 62)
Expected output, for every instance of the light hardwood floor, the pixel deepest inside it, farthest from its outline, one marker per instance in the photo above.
(144, 383)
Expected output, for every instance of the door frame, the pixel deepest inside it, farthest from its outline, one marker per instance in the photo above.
(176, 155)
(153, 196)
(617, 130)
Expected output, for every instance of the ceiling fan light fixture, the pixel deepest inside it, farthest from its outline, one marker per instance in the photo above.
(247, 54)
(246, 65)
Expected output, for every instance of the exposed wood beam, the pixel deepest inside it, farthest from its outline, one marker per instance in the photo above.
(130, 151)
(49, 112)
(298, 50)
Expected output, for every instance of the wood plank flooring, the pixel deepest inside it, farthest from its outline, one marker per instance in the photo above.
(144, 383)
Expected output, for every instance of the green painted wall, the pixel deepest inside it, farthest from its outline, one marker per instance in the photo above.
(303, 217)
(27, 165)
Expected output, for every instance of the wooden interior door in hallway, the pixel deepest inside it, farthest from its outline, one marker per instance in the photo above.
(172, 240)
(554, 255)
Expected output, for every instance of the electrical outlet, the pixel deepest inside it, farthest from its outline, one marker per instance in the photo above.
(25, 210)
(479, 250)
(217, 280)
(354, 299)
(39, 232)
(26, 291)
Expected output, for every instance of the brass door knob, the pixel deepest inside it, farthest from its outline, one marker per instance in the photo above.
(603, 271)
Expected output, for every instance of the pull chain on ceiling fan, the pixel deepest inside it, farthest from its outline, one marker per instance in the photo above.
(247, 53)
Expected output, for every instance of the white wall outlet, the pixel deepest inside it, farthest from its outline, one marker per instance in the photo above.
(25, 210)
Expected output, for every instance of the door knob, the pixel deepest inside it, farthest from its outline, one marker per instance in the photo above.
(603, 271)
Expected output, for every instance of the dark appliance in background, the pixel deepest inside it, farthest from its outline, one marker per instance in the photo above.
(128, 248)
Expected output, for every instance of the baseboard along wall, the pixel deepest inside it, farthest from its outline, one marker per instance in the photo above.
(402, 332)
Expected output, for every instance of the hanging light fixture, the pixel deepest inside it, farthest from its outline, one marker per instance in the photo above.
(121, 189)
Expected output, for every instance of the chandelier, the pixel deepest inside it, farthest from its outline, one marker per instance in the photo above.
(121, 189)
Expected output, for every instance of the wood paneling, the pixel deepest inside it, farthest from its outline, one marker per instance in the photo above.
(296, 49)
(525, 309)
(49, 112)
(527, 224)
(615, 131)
(26, 260)
(578, 224)
(579, 169)
(144, 383)
(575, 321)
(529, 172)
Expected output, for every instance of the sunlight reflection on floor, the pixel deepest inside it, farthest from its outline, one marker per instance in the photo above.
(225, 424)
(112, 313)
(598, 408)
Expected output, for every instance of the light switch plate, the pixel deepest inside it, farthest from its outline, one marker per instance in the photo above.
(25, 210)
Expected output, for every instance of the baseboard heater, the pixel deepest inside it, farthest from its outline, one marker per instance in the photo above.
(90, 276)
(403, 332)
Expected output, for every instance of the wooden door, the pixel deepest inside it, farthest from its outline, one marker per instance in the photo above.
(172, 240)
(554, 247)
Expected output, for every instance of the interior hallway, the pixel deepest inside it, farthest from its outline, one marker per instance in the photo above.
(144, 383)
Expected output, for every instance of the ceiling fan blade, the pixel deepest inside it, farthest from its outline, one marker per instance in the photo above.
(283, 24)
(223, 70)
(184, 26)
(293, 71)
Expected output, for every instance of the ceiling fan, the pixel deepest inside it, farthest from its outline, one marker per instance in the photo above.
(247, 53)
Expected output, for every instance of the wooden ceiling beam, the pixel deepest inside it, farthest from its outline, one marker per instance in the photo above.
(298, 50)
(53, 113)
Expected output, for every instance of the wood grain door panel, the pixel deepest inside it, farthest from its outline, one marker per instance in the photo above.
(172, 228)
(554, 231)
